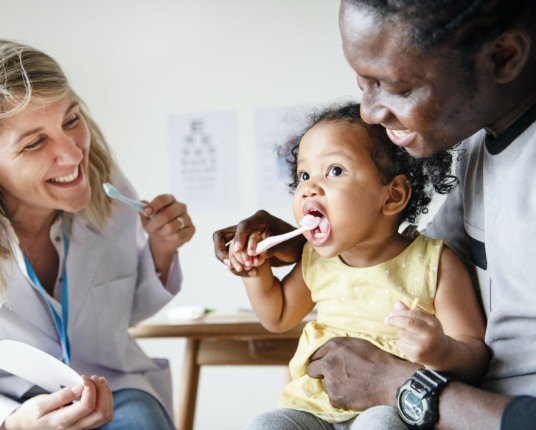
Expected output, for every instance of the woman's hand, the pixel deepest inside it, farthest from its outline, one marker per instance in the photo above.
(169, 227)
(76, 407)
(421, 337)
(251, 231)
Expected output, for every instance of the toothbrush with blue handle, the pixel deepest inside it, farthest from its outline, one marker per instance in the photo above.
(112, 192)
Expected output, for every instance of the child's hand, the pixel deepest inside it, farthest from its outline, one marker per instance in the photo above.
(288, 252)
(421, 337)
(240, 258)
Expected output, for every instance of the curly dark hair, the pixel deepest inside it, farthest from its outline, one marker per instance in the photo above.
(422, 174)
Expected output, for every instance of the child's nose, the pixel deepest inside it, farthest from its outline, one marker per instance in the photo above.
(312, 188)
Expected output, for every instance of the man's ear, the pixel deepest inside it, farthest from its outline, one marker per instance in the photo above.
(509, 53)
(399, 194)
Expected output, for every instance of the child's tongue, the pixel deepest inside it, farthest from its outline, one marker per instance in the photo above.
(322, 229)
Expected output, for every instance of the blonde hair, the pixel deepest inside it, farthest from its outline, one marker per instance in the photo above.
(27, 77)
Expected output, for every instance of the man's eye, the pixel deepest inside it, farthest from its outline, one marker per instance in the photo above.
(303, 176)
(398, 92)
(406, 93)
(335, 171)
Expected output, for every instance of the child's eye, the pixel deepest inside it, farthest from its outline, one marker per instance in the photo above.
(335, 171)
(303, 176)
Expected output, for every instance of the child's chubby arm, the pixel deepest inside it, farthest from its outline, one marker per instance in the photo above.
(453, 340)
(280, 305)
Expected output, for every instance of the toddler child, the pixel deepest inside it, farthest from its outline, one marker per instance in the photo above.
(356, 268)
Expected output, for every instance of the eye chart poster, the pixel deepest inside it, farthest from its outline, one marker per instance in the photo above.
(203, 165)
(273, 127)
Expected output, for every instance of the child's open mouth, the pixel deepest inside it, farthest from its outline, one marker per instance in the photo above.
(320, 234)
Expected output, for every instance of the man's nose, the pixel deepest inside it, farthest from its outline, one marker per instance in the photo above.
(373, 110)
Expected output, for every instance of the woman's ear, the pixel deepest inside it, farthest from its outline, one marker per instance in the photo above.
(399, 194)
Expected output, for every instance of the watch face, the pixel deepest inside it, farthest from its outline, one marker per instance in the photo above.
(411, 406)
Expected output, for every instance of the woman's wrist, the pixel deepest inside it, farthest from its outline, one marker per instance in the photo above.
(162, 264)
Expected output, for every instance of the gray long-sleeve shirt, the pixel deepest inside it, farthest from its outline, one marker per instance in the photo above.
(490, 221)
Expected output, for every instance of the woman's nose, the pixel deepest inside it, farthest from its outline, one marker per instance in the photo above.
(67, 152)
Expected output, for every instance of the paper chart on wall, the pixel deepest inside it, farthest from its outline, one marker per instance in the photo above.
(273, 127)
(203, 160)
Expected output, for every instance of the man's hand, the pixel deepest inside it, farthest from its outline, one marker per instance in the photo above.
(357, 375)
(251, 231)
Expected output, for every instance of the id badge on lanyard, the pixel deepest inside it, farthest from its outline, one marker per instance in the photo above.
(61, 323)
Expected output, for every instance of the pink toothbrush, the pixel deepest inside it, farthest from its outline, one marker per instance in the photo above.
(308, 222)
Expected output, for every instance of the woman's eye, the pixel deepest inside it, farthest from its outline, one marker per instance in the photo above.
(303, 176)
(335, 171)
(35, 144)
(72, 121)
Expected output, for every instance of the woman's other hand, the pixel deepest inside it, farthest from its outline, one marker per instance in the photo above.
(169, 227)
(75, 407)
(251, 231)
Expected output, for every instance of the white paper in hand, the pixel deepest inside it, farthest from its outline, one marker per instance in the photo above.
(36, 366)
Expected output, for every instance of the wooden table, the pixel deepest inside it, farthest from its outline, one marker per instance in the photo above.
(218, 339)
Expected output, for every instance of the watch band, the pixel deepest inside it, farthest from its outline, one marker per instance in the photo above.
(431, 380)
(421, 393)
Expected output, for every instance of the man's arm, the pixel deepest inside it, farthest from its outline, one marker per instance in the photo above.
(467, 407)
(370, 377)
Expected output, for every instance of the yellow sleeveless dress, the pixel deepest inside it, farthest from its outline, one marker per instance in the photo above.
(354, 302)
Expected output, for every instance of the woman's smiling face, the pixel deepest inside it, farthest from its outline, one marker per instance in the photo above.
(424, 102)
(44, 159)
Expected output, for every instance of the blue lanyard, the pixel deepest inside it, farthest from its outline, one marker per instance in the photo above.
(60, 323)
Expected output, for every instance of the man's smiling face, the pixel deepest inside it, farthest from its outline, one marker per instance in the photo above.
(424, 101)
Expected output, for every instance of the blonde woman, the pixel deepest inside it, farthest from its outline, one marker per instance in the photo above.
(76, 270)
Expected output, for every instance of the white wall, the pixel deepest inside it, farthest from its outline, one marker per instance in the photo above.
(135, 62)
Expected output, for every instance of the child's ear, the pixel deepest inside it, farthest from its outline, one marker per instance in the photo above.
(398, 197)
